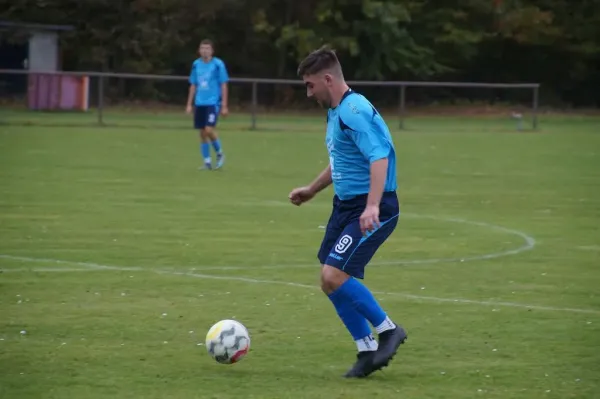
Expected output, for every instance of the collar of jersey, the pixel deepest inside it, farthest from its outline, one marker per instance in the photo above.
(346, 94)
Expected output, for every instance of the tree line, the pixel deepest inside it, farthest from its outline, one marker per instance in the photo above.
(553, 42)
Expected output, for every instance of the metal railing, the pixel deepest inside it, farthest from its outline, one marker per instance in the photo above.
(255, 82)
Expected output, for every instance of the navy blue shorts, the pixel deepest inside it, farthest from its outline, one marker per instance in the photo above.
(205, 115)
(344, 246)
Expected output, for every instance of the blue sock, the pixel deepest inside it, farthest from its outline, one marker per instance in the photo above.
(363, 301)
(205, 151)
(217, 146)
(356, 324)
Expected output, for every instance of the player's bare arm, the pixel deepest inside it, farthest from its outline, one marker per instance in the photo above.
(369, 220)
(191, 94)
(303, 194)
(322, 181)
(224, 99)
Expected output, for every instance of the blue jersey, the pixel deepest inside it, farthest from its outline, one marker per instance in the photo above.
(357, 136)
(208, 77)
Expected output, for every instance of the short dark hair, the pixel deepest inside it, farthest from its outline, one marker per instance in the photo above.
(320, 60)
(207, 41)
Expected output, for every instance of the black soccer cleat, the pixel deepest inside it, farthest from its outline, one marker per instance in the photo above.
(389, 342)
(363, 366)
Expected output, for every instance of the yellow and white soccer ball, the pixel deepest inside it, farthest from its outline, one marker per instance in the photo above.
(228, 341)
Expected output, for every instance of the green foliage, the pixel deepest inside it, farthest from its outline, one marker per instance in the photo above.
(554, 42)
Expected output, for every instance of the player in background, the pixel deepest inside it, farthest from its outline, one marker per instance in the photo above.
(362, 168)
(207, 97)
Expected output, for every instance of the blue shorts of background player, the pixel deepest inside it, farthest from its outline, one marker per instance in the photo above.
(206, 116)
(344, 245)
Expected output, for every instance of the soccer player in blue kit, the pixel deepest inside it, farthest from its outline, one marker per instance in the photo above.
(209, 93)
(362, 168)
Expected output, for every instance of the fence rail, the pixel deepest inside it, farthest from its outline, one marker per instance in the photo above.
(402, 85)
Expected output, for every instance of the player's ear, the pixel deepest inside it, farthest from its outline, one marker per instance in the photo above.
(328, 78)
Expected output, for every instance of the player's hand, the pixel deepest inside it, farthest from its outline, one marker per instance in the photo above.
(300, 195)
(188, 109)
(369, 220)
(224, 110)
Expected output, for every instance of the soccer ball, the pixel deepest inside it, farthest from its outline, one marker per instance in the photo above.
(228, 341)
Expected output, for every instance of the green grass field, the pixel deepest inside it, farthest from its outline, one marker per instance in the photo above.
(117, 255)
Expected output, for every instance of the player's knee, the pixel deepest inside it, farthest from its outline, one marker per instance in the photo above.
(204, 135)
(332, 278)
(212, 134)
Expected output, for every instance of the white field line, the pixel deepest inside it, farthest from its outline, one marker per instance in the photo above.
(528, 241)
(419, 298)
(528, 244)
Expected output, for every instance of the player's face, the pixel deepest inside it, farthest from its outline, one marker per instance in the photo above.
(317, 87)
(206, 51)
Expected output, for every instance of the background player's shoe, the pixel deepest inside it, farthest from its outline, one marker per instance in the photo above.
(363, 366)
(389, 342)
(206, 166)
(220, 160)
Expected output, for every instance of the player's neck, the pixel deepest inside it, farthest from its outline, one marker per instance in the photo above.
(207, 60)
(338, 94)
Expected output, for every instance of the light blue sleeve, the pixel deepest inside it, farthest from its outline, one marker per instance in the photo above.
(223, 75)
(361, 126)
(193, 78)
